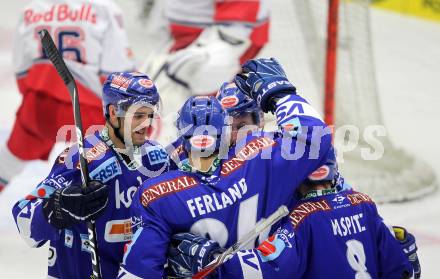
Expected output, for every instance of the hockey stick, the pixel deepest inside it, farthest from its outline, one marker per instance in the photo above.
(57, 60)
(281, 212)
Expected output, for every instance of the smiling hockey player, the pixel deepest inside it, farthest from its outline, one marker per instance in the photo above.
(91, 37)
(119, 160)
(223, 198)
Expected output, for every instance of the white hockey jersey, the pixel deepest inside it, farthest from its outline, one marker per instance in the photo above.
(186, 18)
(89, 34)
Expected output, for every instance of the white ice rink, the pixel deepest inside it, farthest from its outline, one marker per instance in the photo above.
(407, 57)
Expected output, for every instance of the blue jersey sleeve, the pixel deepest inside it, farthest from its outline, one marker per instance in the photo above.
(393, 263)
(305, 140)
(31, 224)
(151, 229)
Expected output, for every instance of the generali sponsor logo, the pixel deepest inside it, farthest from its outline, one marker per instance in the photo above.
(61, 13)
(305, 209)
(249, 150)
(358, 198)
(94, 153)
(167, 187)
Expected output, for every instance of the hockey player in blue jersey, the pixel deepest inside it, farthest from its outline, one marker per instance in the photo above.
(119, 160)
(244, 112)
(220, 192)
(328, 234)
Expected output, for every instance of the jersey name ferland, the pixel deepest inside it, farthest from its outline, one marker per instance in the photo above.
(257, 176)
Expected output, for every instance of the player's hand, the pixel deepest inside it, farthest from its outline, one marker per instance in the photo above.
(263, 80)
(73, 204)
(189, 253)
(408, 243)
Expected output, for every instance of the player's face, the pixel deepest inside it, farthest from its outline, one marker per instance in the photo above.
(242, 125)
(139, 121)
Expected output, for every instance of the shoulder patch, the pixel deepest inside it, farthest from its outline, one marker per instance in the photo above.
(107, 170)
(303, 210)
(357, 198)
(167, 187)
(96, 152)
(248, 152)
(156, 155)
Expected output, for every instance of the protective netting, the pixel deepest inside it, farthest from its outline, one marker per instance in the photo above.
(298, 41)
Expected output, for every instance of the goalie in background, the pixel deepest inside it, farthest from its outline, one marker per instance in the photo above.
(93, 43)
(210, 40)
(202, 44)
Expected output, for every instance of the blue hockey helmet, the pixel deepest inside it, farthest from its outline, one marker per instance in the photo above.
(235, 102)
(328, 172)
(200, 123)
(123, 89)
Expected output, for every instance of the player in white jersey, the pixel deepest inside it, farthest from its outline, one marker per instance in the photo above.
(91, 37)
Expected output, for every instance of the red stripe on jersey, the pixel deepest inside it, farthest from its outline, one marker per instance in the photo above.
(183, 35)
(245, 11)
(42, 78)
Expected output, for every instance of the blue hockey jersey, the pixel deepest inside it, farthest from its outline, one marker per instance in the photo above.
(338, 235)
(69, 255)
(257, 176)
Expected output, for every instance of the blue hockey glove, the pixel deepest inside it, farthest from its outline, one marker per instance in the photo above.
(408, 243)
(73, 204)
(189, 253)
(264, 80)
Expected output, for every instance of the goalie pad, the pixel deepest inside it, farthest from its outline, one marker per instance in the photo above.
(210, 60)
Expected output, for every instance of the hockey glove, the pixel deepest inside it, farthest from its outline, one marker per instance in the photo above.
(408, 243)
(73, 204)
(210, 60)
(264, 80)
(189, 253)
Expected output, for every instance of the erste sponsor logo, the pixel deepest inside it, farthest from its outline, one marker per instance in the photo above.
(107, 170)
